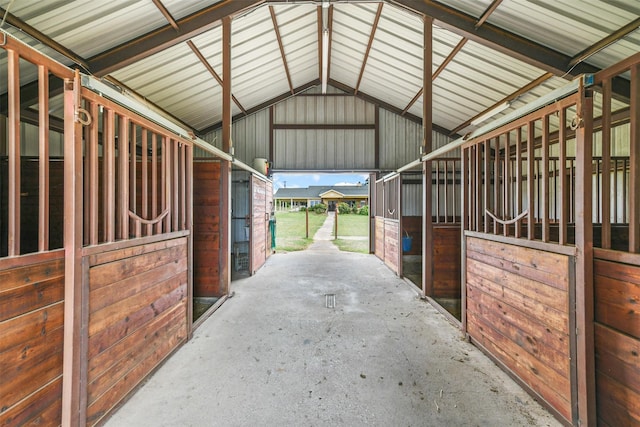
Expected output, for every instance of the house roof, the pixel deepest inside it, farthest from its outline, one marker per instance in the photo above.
(484, 52)
(316, 191)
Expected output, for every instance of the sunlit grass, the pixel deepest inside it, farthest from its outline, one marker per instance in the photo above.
(291, 230)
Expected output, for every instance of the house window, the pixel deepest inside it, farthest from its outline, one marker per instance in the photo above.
(314, 202)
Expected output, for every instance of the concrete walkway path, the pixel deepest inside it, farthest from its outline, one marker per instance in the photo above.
(275, 355)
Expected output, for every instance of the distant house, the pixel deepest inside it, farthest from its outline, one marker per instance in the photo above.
(294, 198)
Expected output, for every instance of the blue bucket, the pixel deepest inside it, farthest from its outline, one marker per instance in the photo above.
(406, 243)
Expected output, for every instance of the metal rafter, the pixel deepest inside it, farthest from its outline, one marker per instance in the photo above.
(374, 27)
(167, 36)
(279, 38)
(612, 38)
(330, 26)
(436, 73)
(167, 15)
(535, 83)
(319, 18)
(43, 38)
(212, 71)
(195, 50)
(492, 7)
(496, 38)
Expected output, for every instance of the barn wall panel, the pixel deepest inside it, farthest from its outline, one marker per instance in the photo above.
(617, 339)
(379, 237)
(206, 229)
(258, 224)
(31, 327)
(392, 244)
(446, 261)
(137, 317)
(518, 311)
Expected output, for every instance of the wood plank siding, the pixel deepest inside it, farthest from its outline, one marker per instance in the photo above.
(518, 310)
(260, 244)
(137, 317)
(446, 261)
(392, 244)
(617, 342)
(206, 229)
(379, 237)
(31, 327)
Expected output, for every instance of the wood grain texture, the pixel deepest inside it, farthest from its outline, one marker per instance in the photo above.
(259, 224)
(617, 342)
(206, 229)
(518, 310)
(392, 244)
(446, 261)
(379, 237)
(31, 327)
(136, 320)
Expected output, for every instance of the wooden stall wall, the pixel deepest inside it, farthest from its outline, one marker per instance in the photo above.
(518, 310)
(137, 317)
(206, 229)
(446, 261)
(392, 245)
(31, 327)
(617, 342)
(379, 237)
(261, 211)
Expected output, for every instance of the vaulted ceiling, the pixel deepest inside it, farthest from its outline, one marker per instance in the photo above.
(485, 53)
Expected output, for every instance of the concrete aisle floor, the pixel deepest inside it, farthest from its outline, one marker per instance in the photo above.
(274, 355)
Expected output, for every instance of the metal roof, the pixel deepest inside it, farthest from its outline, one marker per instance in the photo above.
(138, 45)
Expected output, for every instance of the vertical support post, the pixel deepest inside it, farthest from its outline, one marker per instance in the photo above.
(605, 200)
(335, 225)
(507, 202)
(464, 225)
(544, 176)
(634, 161)
(123, 194)
(108, 160)
(564, 180)
(144, 177)
(74, 371)
(518, 192)
(376, 139)
(306, 213)
(13, 151)
(530, 188)
(485, 178)
(584, 307)
(372, 212)
(496, 185)
(43, 162)
(189, 219)
(225, 170)
(427, 146)
(133, 165)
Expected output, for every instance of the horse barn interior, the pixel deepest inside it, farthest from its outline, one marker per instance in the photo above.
(137, 139)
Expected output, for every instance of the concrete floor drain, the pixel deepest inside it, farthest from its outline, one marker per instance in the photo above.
(330, 300)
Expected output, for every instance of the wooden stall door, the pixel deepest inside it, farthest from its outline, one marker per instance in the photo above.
(206, 230)
(617, 342)
(31, 331)
(259, 223)
(518, 311)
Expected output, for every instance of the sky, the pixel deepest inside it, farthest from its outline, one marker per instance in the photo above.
(302, 180)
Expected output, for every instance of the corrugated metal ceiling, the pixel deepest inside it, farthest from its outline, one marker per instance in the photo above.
(475, 79)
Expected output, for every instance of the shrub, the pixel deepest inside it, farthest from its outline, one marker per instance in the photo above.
(343, 208)
(303, 208)
(319, 208)
(364, 210)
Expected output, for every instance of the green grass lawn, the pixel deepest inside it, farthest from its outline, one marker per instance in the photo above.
(291, 230)
(361, 246)
(353, 225)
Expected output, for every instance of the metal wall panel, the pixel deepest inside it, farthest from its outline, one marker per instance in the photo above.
(344, 149)
(412, 198)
